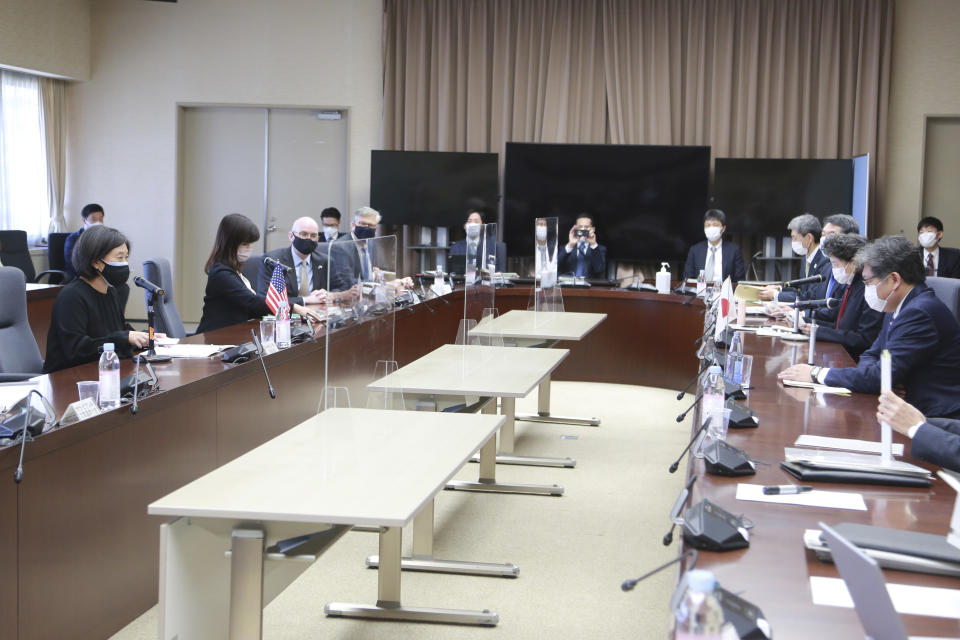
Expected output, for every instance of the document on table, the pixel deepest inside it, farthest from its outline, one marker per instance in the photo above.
(13, 392)
(844, 444)
(819, 388)
(166, 342)
(907, 599)
(815, 498)
(191, 350)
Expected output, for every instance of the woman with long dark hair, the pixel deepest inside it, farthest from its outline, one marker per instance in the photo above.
(229, 297)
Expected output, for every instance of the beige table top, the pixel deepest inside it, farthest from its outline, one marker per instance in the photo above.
(473, 370)
(366, 467)
(546, 325)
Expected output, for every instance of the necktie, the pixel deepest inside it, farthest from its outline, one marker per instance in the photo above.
(711, 265)
(581, 261)
(930, 270)
(471, 252)
(365, 263)
(304, 279)
(843, 305)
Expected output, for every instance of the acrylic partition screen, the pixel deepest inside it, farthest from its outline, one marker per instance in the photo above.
(479, 290)
(361, 289)
(546, 294)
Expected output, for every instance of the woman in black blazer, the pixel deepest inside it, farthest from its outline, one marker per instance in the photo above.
(856, 325)
(229, 297)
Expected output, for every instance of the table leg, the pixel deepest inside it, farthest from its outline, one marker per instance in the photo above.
(507, 439)
(246, 584)
(423, 560)
(543, 410)
(388, 605)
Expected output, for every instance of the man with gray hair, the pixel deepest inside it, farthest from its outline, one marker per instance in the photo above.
(839, 223)
(805, 235)
(306, 267)
(358, 263)
(920, 332)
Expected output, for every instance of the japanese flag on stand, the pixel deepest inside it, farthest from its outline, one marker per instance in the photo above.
(727, 309)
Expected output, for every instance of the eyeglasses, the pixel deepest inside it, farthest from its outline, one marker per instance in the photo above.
(305, 234)
(875, 279)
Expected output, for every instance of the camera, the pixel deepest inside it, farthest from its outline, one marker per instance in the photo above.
(582, 233)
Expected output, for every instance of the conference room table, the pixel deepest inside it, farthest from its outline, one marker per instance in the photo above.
(774, 571)
(78, 552)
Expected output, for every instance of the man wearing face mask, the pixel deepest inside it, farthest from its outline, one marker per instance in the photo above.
(853, 324)
(938, 261)
(92, 214)
(583, 256)
(90, 310)
(717, 259)
(471, 244)
(307, 267)
(804, 235)
(920, 332)
(839, 223)
(330, 219)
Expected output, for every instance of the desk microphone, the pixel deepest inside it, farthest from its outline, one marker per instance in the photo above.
(690, 408)
(143, 283)
(792, 284)
(256, 343)
(829, 303)
(25, 432)
(628, 585)
(689, 384)
(136, 387)
(673, 468)
(710, 328)
(706, 525)
(675, 511)
(273, 262)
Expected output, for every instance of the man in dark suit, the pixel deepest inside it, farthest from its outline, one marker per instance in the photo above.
(470, 245)
(935, 440)
(92, 214)
(920, 332)
(717, 259)
(582, 256)
(942, 262)
(307, 281)
(356, 257)
(805, 233)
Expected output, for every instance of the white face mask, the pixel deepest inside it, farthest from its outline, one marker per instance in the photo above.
(331, 232)
(713, 233)
(874, 301)
(541, 234)
(243, 254)
(87, 225)
(473, 230)
(841, 276)
(927, 239)
(797, 247)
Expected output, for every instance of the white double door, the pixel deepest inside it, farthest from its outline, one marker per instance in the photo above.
(273, 165)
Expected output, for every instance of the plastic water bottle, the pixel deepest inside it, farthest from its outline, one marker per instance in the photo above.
(282, 330)
(701, 283)
(713, 401)
(109, 378)
(699, 614)
(734, 368)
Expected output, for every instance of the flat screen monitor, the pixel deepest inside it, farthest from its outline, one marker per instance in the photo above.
(761, 195)
(433, 188)
(647, 201)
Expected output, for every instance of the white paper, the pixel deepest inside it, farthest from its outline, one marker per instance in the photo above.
(844, 444)
(907, 599)
(851, 461)
(166, 342)
(819, 388)
(12, 393)
(190, 350)
(815, 498)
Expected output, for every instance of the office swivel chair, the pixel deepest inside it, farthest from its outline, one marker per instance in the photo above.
(55, 257)
(948, 290)
(166, 317)
(14, 252)
(19, 355)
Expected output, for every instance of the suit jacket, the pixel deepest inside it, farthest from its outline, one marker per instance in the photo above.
(819, 291)
(228, 301)
(820, 264)
(596, 262)
(459, 248)
(938, 441)
(345, 259)
(858, 326)
(949, 262)
(68, 243)
(318, 264)
(730, 254)
(924, 344)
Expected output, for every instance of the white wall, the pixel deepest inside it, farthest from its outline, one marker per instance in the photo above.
(926, 81)
(49, 37)
(147, 57)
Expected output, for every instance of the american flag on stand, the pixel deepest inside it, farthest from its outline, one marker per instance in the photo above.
(277, 291)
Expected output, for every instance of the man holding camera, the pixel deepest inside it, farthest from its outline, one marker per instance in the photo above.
(582, 256)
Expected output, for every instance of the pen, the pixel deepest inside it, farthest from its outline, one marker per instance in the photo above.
(786, 489)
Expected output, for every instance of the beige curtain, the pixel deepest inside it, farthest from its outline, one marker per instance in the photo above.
(750, 78)
(53, 122)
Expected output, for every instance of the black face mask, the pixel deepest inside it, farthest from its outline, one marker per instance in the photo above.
(364, 233)
(115, 274)
(305, 246)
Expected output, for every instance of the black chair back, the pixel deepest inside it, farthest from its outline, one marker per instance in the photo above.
(14, 252)
(19, 355)
(58, 261)
(166, 317)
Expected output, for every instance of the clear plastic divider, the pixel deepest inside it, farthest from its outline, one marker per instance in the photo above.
(546, 296)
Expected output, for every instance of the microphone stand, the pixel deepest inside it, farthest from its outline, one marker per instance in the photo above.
(256, 343)
(677, 507)
(673, 468)
(24, 434)
(813, 342)
(136, 378)
(628, 585)
(690, 408)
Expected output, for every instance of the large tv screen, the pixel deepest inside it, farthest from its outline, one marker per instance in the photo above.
(761, 195)
(647, 201)
(433, 188)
